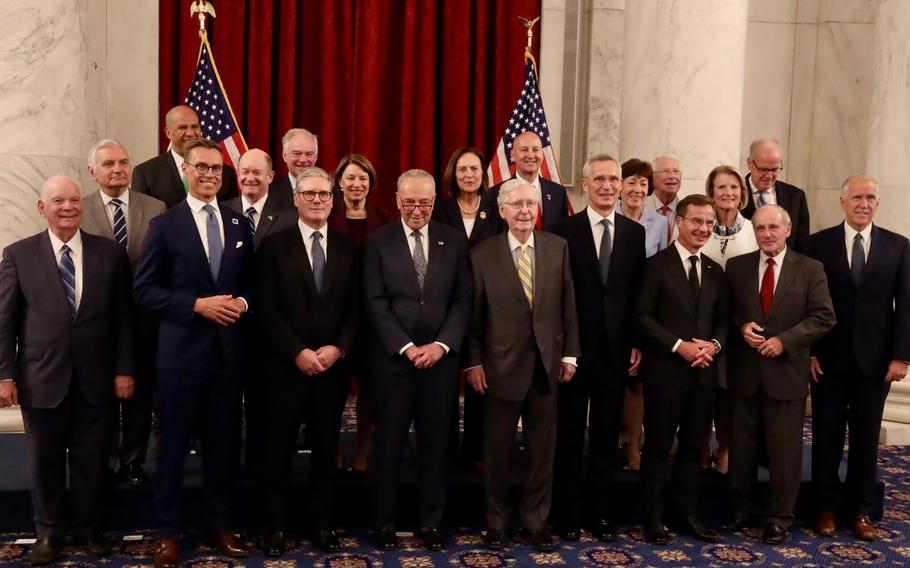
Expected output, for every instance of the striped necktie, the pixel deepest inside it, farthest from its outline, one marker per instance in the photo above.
(68, 277)
(250, 215)
(119, 222)
(526, 273)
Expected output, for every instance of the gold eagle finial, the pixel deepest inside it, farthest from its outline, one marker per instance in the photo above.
(530, 25)
(202, 7)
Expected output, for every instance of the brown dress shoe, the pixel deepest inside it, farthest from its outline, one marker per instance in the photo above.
(225, 542)
(825, 524)
(862, 528)
(168, 554)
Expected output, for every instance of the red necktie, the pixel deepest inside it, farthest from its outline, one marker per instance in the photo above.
(539, 224)
(665, 211)
(767, 287)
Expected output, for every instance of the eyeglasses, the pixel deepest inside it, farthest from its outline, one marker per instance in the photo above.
(667, 172)
(408, 205)
(698, 221)
(311, 195)
(519, 205)
(203, 169)
(764, 171)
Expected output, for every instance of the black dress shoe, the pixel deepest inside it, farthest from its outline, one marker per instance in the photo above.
(735, 525)
(571, 534)
(541, 539)
(93, 542)
(386, 539)
(274, 544)
(657, 533)
(432, 539)
(45, 551)
(774, 534)
(603, 530)
(327, 540)
(133, 474)
(495, 539)
(697, 529)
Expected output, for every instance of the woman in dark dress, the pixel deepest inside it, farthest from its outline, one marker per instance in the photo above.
(355, 217)
(465, 182)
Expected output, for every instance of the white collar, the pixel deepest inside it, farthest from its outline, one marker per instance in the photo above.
(75, 243)
(514, 243)
(258, 206)
(851, 233)
(424, 231)
(196, 205)
(778, 258)
(685, 254)
(124, 198)
(595, 218)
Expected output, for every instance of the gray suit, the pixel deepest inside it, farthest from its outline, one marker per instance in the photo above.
(769, 393)
(136, 422)
(520, 349)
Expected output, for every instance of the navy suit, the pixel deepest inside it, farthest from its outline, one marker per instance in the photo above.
(873, 329)
(64, 369)
(554, 201)
(198, 360)
(160, 178)
(400, 312)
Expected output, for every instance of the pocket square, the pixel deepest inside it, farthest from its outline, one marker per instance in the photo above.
(239, 244)
(235, 221)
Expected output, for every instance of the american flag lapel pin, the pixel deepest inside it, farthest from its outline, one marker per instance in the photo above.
(440, 243)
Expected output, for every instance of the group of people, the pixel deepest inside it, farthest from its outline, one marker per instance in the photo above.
(208, 293)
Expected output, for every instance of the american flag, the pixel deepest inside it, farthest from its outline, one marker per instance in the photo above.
(527, 116)
(208, 98)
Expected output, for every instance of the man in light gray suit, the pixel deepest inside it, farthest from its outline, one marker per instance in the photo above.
(523, 340)
(122, 215)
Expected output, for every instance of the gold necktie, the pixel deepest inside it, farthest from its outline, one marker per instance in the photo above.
(525, 274)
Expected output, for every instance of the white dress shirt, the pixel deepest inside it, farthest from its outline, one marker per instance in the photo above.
(770, 196)
(125, 207)
(178, 159)
(200, 216)
(535, 183)
(307, 233)
(468, 225)
(75, 245)
(258, 206)
(597, 229)
(293, 181)
(763, 264)
(425, 241)
(850, 234)
(684, 257)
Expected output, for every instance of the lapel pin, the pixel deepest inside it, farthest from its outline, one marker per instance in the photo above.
(239, 244)
(235, 221)
(269, 217)
(549, 197)
(440, 243)
(483, 215)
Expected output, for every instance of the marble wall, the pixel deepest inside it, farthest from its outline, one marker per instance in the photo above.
(65, 68)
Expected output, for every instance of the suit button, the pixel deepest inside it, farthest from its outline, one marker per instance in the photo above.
(421, 302)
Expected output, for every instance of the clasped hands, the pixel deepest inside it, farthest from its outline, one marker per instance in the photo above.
(425, 356)
(771, 347)
(314, 362)
(223, 309)
(697, 352)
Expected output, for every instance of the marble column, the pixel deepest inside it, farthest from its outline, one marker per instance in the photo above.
(889, 146)
(51, 101)
(682, 83)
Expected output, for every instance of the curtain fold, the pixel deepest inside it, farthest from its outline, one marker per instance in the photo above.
(403, 82)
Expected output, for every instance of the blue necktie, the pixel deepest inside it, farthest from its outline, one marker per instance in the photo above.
(318, 260)
(119, 222)
(68, 276)
(250, 215)
(761, 199)
(213, 235)
(858, 260)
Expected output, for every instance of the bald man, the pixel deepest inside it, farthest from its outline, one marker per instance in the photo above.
(162, 176)
(262, 210)
(66, 349)
(527, 154)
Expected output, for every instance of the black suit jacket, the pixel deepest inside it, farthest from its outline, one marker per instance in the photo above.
(281, 192)
(43, 348)
(174, 271)
(665, 312)
(293, 314)
(274, 218)
(159, 178)
(554, 203)
(604, 312)
(800, 314)
(399, 312)
(793, 199)
(873, 320)
(447, 211)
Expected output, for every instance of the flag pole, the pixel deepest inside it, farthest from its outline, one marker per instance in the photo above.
(530, 25)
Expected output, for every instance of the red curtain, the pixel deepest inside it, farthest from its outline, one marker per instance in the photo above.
(403, 82)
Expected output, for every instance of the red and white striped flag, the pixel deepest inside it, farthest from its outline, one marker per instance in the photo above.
(527, 116)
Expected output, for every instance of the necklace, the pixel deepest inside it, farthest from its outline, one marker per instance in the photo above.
(468, 211)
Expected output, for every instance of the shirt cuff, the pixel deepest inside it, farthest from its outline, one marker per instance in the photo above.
(474, 367)
(246, 305)
(717, 346)
(676, 345)
(6, 380)
(405, 348)
(570, 360)
(443, 345)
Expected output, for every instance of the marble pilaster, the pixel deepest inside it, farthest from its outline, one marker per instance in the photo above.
(682, 87)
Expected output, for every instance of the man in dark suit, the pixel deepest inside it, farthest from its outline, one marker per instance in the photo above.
(310, 289)
(681, 316)
(417, 281)
(193, 274)
(66, 349)
(299, 150)
(607, 252)
(780, 306)
(523, 341)
(552, 199)
(162, 177)
(122, 215)
(852, 367)
(764, 188)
